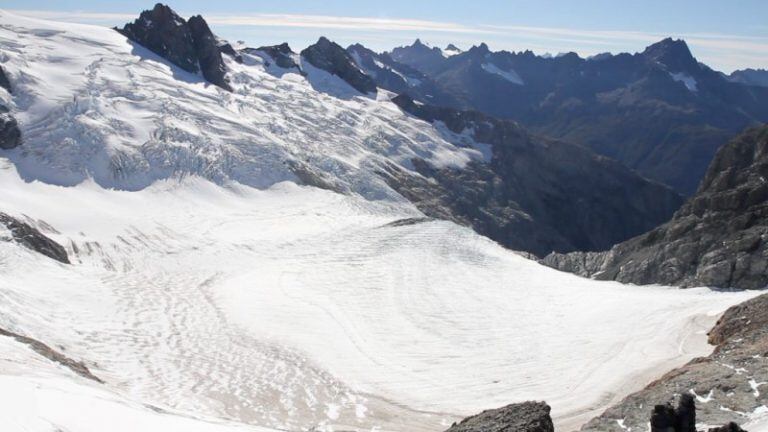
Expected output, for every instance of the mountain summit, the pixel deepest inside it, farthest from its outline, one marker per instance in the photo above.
(674, 54)
(189, 45)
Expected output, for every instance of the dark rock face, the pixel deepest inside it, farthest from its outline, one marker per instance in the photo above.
(166, 34)
(10, 134)
(332, 58)
(32, 238)
(282, 55)
(522, 417)
(189, 45)
(227, 49)
(535, 194)
(208, 53)
(718, 238)
(4, 82)
(727, 381)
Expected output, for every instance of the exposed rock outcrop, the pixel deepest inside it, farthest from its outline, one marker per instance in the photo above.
(535, 194)
(522, 417)
(332, 58)
(665, 418)
(4, 81)
(10, 134)
(189, 45)
(727, 384)
(208, 53)
(282, 55)
(32, 238)
(51, 354)
(718, 238)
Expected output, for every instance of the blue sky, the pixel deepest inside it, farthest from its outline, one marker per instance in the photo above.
(725, 35)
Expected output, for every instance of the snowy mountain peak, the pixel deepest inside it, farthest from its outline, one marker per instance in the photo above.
(332, 58)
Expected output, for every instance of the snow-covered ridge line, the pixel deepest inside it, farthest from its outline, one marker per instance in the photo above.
(138, 118)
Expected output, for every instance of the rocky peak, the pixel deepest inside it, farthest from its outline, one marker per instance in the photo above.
(189, 45)
(208, 53)
(332, 58)
(419, 44)
(282, 55)
(419, 56)
(673, 54)
(452, 47)
(165, 33)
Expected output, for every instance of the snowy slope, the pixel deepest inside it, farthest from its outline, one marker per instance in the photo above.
(284, 306)
(91, 104)
(294, 307)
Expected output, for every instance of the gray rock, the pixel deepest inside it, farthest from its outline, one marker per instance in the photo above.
(718, 238)
(332, 58)
(10, 134)
(522, 417)
(4, 82)
(32, 238)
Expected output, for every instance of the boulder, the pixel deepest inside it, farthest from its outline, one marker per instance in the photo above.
(521, 417)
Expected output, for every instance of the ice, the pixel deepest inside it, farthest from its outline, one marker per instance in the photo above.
(689, 81)
(509, 75)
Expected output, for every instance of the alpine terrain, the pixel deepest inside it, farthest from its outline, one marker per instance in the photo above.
(201, 235)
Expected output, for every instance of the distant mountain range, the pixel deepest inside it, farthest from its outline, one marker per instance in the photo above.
(660, 111)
